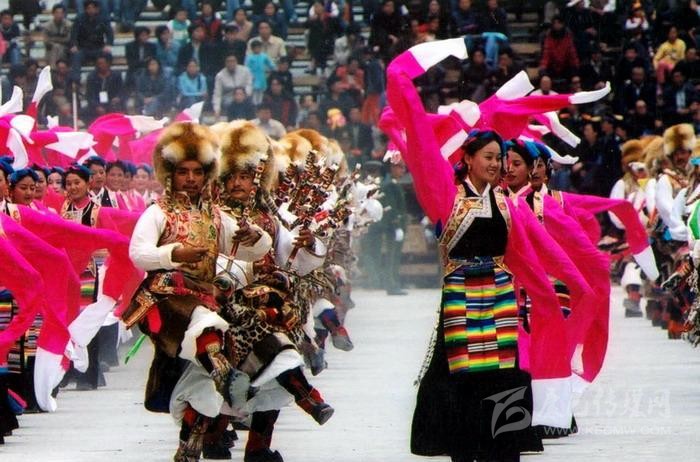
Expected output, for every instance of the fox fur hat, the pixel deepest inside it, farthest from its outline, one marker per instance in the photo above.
(243, 146)
(631, 151)
(654, 157)
(182, 141)
(680, 136)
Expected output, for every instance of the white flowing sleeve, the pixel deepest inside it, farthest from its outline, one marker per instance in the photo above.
(617, 192)
(144, 250)
(229, 226)
(305, 261)
(239, 273)
(665, 204)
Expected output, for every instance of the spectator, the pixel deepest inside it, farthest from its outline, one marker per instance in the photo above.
(179, 27)
(637, 20)
(199, 50)
(232, 44)
(210, 21)
(167, 50)
(191, 85)
(386, 28)
(559, 56)
(283, 74)
(439, 18)
(596, 71)
(29, 9)
(105, 88)
(337, 98)
(130, 13)
(106, 8)
(506, 69)
(494, 29)
(57, 33)
(32, 78)
(10, 33)
(313, 121)
(352, 79)
(273, 128)
(690, 66)
(229, 78)
(360, 137)
(138, 52)
(259, 65)
(307, 105)
(668, 55)
(242, 107)
(579, 19)
(277, 20)
(635, 89)
(545, 87)
(272, 46)
(323, 29)
(154, 90)
(630, 59)
(349, 44)
(584, 173)
(641, 122)
(59, 101)
(465, 21)
(474, 83)
(245, 27)
(284, 106)
(375, 86)
(680, 100)
(91, 37)
(687, 20)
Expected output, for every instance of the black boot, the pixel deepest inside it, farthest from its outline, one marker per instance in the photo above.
(306, 396)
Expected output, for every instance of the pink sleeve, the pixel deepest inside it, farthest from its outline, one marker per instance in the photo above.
(432, 176)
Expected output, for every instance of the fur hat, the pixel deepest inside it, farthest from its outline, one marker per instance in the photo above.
(681, 136)
(318, 141)
(654, 156)
(336, 156)
(183, 141)
(296, 147)
(243, 146)
(632, 151)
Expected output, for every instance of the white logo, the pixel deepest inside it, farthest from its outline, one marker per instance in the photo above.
(504, 403)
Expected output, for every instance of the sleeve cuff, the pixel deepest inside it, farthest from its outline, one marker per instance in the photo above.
(165, 255)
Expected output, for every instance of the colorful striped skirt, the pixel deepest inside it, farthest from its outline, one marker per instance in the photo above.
(480, 318)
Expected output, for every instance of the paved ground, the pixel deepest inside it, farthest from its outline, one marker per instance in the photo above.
(645, 406)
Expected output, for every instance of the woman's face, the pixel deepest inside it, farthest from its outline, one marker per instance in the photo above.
(97, 177)
(3, 186)
(539, 174)
(115, 179)
(141, 180)
(76, 188)
(55, 182)
(485, 164)
(517, 172)
(433, 7)
(126, 182)
(40, 189)
(22, 193)
(240, 16)
(270, 9)
(192, 68)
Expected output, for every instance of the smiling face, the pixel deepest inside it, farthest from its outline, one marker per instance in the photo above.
(485, 164)
(115, 179)
(22, 192)
(97, 177)
(141, 180)
(55, 182)
(517, 171)
(76, 188)
(189, 177)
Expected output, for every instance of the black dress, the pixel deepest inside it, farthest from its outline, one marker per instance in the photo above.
(457, 414)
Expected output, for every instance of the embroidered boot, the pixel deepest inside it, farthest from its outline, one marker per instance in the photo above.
(306, 396)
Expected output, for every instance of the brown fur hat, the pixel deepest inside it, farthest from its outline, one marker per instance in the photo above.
(296, 147)
(243, 145)
(654, 156)
(183, 141)
(336, 156)
(680, 136)
(632, 151)
(318, 141)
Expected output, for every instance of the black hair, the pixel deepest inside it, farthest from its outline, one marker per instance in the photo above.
(264, 106)
(160, 29)
(38, 168)
(58, 6)
(79, 170)
(145, 167)
(117, 164)
(87, 3)
(477, 140)
(95, 160)
(6, 168)
(106, 56)
(520, 148)
(19, 175)
(130, 167)
(6, 13)
(138, 30)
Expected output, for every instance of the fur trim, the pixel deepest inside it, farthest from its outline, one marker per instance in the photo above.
(632, 151)
(276, 166)
(654, 156)
(243, 145)
(681, 136)
(336, 156)
(183, 141)
(318, 141)
(296, 147)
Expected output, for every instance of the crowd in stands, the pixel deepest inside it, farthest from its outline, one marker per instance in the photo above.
(234, 56)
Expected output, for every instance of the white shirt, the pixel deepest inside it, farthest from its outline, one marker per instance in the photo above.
(668, 211)
(149, 256)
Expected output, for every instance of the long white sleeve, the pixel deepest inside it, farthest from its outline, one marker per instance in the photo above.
(239, 273)
(144, 250)
(617, 192)
(305, 261)
(245, 253)
(665, 204)
(650, 194)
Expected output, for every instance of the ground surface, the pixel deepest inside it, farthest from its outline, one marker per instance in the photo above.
(645, 406)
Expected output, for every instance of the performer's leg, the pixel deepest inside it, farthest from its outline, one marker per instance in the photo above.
(339, 335)
(306, 396)
(257, 448)
(192, 430)
(214, 446)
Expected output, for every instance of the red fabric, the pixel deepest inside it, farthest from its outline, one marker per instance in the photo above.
(559, 55)
(206, 339)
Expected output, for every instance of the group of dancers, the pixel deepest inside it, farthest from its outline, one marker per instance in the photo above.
(231, 253)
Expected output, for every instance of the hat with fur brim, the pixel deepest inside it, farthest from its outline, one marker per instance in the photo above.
(631, 151)
(243, 146)
(680, 136)
(183, 141)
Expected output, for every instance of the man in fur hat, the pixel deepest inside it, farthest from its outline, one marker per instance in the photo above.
(267, 325)
(177, 241)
